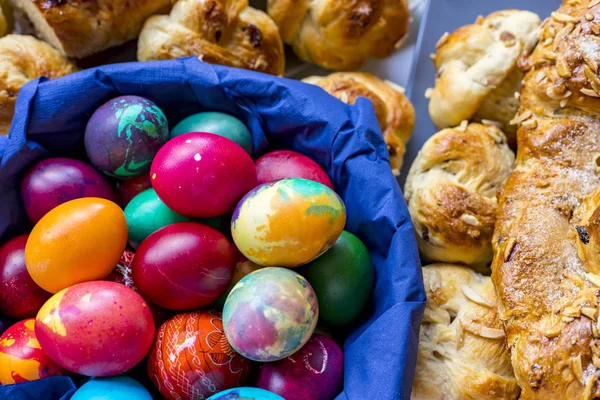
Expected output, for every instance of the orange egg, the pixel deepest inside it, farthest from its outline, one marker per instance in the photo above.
(81, 240)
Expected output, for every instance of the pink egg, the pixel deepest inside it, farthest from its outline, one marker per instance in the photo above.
(199, 174)
(282, 164)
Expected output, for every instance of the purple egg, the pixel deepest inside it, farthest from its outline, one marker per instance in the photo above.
(315, 372)
(124, 134)
(55, 181)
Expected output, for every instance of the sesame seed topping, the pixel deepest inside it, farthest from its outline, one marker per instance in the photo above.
(560, 17)
(442, 40)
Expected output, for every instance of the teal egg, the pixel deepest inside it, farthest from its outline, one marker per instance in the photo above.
(245, 393)
(218, 123)
(113, 388)
(146, 213)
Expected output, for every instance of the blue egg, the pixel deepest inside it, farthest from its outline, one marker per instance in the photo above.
(245, 393)
(113, 388)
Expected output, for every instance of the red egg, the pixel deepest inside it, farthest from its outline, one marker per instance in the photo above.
(183, 266)
(21, 357)
(199, 174)
(191, 358)
(282, 164)
(129, 188)
(20, 296)
(96, 328)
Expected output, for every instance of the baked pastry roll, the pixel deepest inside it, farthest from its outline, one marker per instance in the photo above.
(341, 35)
(79, 28)
(22, 59)
(395, 112)
(226, 32)
(462, 348)
(451, 193)
(477, 70)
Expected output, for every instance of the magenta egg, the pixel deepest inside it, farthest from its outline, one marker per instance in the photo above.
(282, 164)
(183, 266)
(20, 296)
(315, 372)
(54, 181)
(199, 174)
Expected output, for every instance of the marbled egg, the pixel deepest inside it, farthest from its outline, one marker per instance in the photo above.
(20, 296)
(54, 181)
(270, 314)
(129, 188)
(124, 134)
(81, 240)
(287, 223)
(218, 123)
(243, 267)
(245, 393)
(315, 372)
(183, 266)
(113, 388)
(282, 164)
(202, 175)
(21, 357)
(96, 328)
(191, 358)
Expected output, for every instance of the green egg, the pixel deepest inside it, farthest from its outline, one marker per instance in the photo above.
(146, 213)
(218, 123)
(343, 279)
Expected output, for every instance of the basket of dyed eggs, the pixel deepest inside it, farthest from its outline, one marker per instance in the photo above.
(186, 231)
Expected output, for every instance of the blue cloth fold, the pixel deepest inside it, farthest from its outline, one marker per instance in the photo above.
(345, 140)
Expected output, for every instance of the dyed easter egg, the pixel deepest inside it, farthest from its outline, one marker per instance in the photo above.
(218, 123)
(287, 223)
(113, 388)
(21, 357)
(270, 314)
(202, 175)
(342, 279)
(245, 393)
(191, 358)
(20, 296)
(54, 181)
(129, 188)
(96, 328)
(315, 372)
(282, 164)
(243, 267)
(81, 240)
(124, 134)
(183, 266)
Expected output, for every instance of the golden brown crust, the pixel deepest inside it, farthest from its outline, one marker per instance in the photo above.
(79, 28)
(543, 271)
(395, 112)
(338, 34)
(451, 193)
(22, 59)
(226, 32)
(462, 348)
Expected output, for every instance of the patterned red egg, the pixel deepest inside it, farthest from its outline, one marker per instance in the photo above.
(191, 358)
(20, 296)
(282, 164)
(96, 328)
(199, 174)
(55, 181)
(315, 372)
(129, 188)
(183, 266)
(21, 357)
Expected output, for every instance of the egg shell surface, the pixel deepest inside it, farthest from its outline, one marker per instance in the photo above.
(129, 188)
(246, 393)
(20, 296)
(202, 175)
(191, 357)
(217, 123)
(243, 267)
(54, 181)
(123, 135)
(81, 240)
(96, 328)
(270, 314)
(287, 223)
(113, 388)
(282, 164)
(21, 356)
